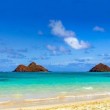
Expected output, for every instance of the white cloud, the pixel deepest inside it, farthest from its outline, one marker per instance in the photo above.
(52, 48)
(74, 43)
(58, 50)
(64, 50)
(99, 29)
(59, 30)
(68, 36)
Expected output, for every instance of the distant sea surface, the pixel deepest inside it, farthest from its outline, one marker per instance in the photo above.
(58, 85)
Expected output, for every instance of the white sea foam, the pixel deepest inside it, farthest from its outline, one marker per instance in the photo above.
(88, 88)
(95, 95)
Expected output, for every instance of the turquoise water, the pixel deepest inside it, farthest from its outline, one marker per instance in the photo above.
(20, 86)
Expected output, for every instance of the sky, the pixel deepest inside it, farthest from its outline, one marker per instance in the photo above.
(62, 35)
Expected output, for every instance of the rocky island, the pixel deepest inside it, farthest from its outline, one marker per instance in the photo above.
(32, 67)
(100, 68)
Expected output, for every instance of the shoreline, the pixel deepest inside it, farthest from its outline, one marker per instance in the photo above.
(62, 102)
(99, 104)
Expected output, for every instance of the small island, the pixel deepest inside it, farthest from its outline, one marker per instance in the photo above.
(32, 67)
(100, 68)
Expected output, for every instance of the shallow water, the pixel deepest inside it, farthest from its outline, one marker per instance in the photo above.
(72, 86)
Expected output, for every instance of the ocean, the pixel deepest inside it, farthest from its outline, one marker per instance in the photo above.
(54, 86)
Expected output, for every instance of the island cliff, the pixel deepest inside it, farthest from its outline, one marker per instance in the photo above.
(32, 67)
(100, 68)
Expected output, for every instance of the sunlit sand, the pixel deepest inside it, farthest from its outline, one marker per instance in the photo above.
(102, 104)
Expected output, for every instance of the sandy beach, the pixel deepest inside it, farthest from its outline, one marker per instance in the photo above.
(55, 91)
(100, 104)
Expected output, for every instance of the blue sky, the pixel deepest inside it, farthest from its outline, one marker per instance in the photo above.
(62, 35)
